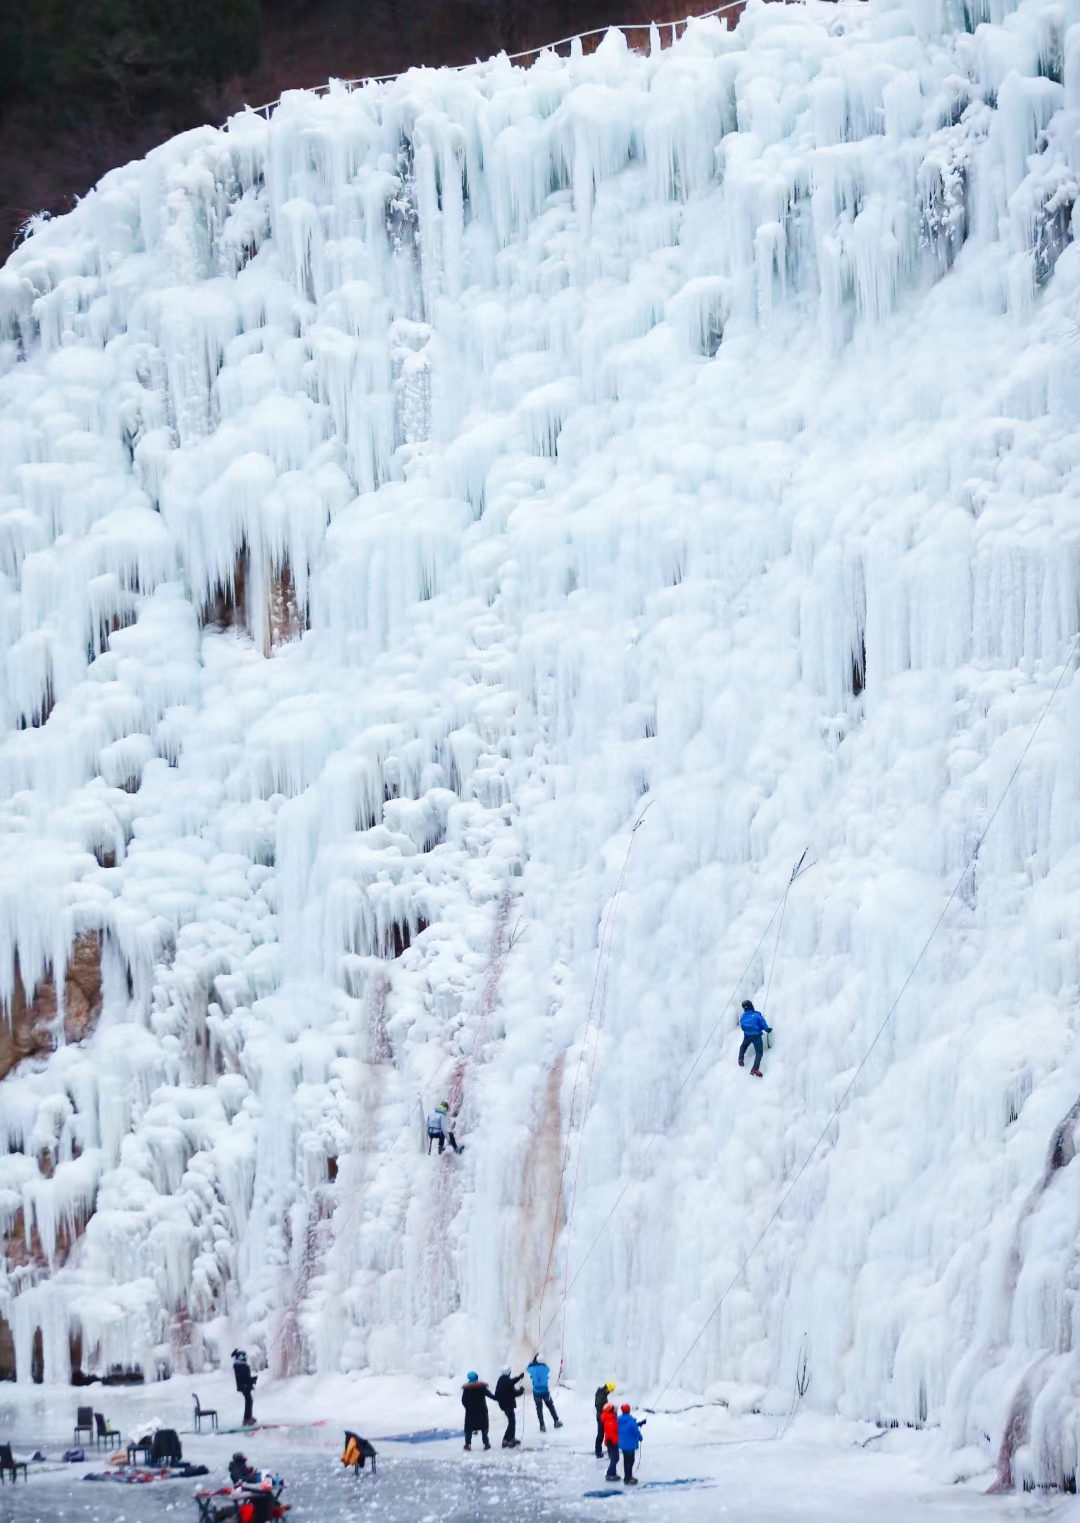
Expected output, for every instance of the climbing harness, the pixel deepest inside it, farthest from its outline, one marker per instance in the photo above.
(881, 1029)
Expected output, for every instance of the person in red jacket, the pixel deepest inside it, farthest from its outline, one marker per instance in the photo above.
(609, 1421)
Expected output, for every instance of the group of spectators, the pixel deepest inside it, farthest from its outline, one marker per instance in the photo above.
(617, 1432)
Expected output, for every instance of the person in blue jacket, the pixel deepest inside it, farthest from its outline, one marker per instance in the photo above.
(629, 1442)
(540, 1375)
(753, 1027)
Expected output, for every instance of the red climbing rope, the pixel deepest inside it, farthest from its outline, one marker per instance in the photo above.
(499, 949)
(501, 946)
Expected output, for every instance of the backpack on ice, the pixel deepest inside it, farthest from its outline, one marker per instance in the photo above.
(357, 1451)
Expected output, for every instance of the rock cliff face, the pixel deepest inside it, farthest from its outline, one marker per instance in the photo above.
(29, 1028)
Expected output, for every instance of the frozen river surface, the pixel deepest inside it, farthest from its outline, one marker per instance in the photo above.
(406, 1490)
(751, 1469)
(445, 1488)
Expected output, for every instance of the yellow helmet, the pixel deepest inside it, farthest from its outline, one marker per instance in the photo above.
(611, 1385)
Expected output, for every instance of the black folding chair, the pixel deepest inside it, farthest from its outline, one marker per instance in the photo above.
(201, 1412)
(367, 1451)
(10, 1465)
(104, 1431)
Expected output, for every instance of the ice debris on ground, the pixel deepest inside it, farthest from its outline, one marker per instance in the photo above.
(394, 492)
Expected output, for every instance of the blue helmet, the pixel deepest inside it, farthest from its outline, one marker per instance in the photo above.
(473, 1375)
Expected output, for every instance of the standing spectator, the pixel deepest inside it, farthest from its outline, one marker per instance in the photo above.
(600, 1401)
(474, 1398)
(245, 1383)
(629, 1442)
(507, 1390)
(609, 1418)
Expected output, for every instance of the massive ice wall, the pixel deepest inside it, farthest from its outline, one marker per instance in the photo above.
(392, 494)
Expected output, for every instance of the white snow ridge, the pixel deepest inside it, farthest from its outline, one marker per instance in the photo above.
(392, 494)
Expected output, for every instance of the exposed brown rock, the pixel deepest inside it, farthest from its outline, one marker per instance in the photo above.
(7, 1352)
(18, 1254)
(285, 619)
(27, 1028)
(228, 607)
(401, 935)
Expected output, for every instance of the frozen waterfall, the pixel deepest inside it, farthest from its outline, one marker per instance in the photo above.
(392, 494)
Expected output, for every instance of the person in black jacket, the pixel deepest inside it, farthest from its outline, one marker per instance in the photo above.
(240, 1470)
(600, 1400)
(474, 1398)
(165, 1448)
(245, 1383)
(507, 1391)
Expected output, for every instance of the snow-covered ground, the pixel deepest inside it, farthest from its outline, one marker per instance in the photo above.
(751, 1469)
(395, 497)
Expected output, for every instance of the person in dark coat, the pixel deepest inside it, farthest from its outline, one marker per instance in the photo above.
(474, 1398)
(240, 1470)
(245, 1383)
(507, 1391)
(165, 1448)
(600, 1401)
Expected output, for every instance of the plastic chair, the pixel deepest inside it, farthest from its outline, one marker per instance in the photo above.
(84, 1423)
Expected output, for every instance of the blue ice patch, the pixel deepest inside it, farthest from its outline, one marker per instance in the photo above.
(426, 1436)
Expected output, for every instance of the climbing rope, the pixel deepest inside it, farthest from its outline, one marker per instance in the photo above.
(795, 871)
(487, 999)
(588, 1095)
(798, 872)
(603, 959)
(880, 1031)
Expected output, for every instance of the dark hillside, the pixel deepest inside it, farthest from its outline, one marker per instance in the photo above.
(88, 84)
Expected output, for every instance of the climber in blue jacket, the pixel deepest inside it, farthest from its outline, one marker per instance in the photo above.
(753, 1026)
(539, 1375)
(629, 1442)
